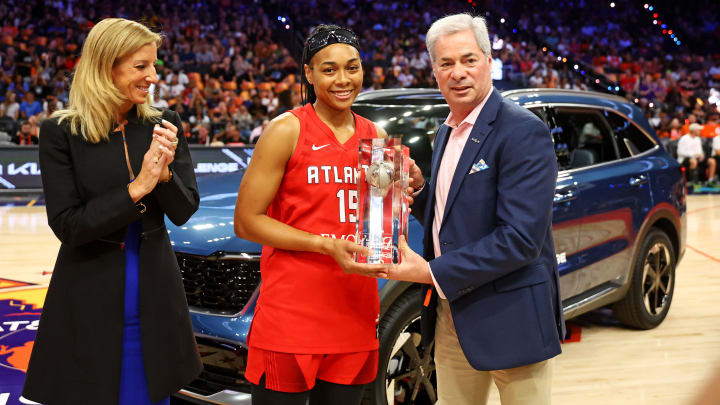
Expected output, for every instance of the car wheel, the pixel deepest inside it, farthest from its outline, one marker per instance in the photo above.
(406, 372)
(653, 281)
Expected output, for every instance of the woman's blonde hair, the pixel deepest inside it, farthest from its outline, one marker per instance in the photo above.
(94, 100)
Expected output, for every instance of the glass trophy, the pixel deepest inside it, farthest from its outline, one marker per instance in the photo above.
(383, 177)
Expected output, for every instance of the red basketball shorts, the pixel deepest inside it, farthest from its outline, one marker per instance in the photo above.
(288, 372)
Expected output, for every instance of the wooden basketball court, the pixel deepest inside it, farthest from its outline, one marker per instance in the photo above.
(610, 365)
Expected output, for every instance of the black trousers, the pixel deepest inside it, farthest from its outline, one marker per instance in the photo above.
(324, 393)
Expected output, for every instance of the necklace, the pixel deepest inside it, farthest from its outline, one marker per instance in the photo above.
(121, 128)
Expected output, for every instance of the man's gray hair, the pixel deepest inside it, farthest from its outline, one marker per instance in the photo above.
(455, 23)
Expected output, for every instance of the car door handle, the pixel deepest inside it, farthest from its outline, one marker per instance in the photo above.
(564, 195)
(639, 180)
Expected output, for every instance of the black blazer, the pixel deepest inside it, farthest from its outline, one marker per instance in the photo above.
(76, 358)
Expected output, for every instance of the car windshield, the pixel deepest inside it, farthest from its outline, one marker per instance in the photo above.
(416, 124)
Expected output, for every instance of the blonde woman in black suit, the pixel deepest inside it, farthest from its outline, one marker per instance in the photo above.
(115, 327)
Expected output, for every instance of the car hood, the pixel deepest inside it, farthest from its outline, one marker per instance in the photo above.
(210, 229)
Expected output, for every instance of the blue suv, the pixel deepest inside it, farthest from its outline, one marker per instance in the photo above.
(618, 221)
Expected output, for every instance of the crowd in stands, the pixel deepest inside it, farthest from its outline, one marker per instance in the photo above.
(226, 66)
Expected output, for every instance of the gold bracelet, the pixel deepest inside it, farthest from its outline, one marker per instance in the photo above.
(170, 176)
(139, 205)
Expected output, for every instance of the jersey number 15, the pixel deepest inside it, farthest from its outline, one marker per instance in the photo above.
(347, 206)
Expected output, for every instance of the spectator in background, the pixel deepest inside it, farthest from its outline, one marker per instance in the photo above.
(257, 109)
(162, 89)
(269, 101)
(26, 135)
(257, 131)
(244, 121)
(198, 134)
(691, 155)
(182, 78)
(176, 88)
(537, 80)
(233, 137)
(30, 106)
(691, 119)
(9, 107)
(419, 61)
(51, 105)
(285, 101)
(711, 129)
(579, 85)
(406, 78)
(199, 116)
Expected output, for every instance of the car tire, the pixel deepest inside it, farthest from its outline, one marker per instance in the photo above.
(404, 368)
(647, 302)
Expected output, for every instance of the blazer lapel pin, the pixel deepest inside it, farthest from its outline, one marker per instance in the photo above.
(475, 140)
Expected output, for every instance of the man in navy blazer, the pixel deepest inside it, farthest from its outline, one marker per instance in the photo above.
(492, 303)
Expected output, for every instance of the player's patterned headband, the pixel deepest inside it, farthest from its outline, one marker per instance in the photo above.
(324, 38)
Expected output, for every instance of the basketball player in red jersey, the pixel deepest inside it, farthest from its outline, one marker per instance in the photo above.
(314, 334)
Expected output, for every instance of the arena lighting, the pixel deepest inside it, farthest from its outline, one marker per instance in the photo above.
(664, 32)
(612, 5)
(287, 26)
(637, 101)
(655, 15)
(544, 49)
(651, 105)
(646, 5)
(564, 60)
(664, 25)
(617, 88)
(502, 21)
(655, 22)
(670, 32)
(597, 81)
(559, 58)
(576, 67)
(651, 8)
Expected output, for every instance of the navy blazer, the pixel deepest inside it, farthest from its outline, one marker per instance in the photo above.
(498, 267)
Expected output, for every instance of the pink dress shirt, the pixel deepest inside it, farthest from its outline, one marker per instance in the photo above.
(459, 134)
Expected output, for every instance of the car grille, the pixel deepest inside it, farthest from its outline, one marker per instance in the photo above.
(220, 283)
(223, 369)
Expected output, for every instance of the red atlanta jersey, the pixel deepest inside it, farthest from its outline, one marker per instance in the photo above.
(307, 304)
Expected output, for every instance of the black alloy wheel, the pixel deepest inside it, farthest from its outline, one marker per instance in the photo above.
(653, 282)
(406, 373)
